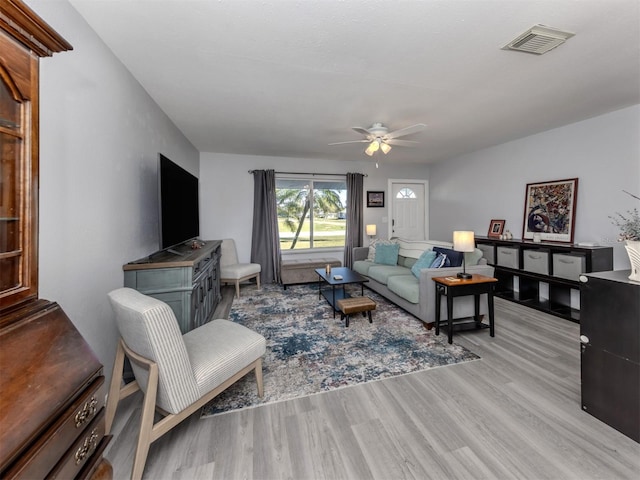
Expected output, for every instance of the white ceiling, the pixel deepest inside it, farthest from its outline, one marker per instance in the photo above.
(285, 78)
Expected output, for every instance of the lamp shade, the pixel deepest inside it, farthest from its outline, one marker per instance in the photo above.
(463, 241)
(371, 230)
(385, 147)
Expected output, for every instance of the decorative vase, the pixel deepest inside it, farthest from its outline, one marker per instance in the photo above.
(633, 250)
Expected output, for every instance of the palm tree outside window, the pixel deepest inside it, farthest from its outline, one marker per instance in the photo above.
(311, 212)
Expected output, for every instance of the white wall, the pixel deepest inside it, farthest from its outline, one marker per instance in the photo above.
(100, 134)
(227, 190)
(602, 152)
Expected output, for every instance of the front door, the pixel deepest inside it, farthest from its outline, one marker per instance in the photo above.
(408, 209)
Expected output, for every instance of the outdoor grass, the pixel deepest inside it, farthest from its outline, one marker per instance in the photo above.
(321, 239)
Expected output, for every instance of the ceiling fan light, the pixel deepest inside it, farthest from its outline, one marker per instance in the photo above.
(372, 148)
(385, 147)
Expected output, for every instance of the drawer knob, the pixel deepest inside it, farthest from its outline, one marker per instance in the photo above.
(88, 410)
(88, 446)
(584, 339)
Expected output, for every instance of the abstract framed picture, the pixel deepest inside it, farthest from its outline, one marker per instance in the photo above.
(375, 199)
(496, 227)
(550, 210)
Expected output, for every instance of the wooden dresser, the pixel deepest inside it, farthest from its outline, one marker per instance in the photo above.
(52, 390)
(52, 400)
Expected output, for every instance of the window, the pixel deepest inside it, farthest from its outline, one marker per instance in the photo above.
(406, 193)
(311, 212)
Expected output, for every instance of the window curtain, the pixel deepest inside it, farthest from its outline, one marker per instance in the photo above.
(354, 216)
(265, 242)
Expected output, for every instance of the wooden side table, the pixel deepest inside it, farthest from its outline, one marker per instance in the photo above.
(457, 287)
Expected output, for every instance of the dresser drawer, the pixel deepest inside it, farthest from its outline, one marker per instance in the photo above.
(508, 257)
(535, 261)
(43, 456)
(82, 450)
(568, 266)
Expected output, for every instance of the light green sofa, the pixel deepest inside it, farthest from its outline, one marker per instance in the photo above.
(417, 295)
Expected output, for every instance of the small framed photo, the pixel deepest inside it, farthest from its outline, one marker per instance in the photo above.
(375, 199)
(496, 227)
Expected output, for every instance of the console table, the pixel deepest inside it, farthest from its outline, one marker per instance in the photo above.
(543, 275)
(186, 278)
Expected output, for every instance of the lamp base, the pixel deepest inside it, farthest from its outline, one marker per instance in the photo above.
(465, 276)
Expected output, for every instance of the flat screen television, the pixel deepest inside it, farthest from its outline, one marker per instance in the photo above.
(178, 199)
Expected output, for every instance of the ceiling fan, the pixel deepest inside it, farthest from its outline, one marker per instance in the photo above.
(380, 138)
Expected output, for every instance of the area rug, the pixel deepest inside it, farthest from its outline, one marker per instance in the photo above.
(309, 351)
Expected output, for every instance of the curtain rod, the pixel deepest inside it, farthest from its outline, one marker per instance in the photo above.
(307, 173)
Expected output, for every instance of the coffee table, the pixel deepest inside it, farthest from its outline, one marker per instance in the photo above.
(333, 295)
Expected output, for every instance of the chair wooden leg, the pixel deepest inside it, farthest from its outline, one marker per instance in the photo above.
(114, 388)
(258, 281)
(146, 424)
(237, 288)
(258, 370)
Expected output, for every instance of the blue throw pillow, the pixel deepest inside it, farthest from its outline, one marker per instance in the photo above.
(454, 259)
(425, 261)
(440, 261)
(387, 254)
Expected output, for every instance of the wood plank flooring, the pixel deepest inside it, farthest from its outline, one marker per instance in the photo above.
(513, 414)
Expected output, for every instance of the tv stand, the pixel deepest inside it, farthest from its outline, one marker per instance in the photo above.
(187, 279)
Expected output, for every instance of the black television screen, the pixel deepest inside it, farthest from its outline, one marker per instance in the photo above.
(179, 214)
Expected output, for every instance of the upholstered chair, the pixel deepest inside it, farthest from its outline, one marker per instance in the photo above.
(178, 374)
(233, 272)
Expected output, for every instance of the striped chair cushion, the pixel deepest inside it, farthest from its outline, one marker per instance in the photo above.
(219, 349)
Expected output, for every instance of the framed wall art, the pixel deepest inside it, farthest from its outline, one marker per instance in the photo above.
(375, 199)
(550, 210)
(496, 227)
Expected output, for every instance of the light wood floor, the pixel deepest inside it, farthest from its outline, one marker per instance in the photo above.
(513, 414)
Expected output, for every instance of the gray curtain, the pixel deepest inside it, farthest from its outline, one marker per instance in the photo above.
(354, 216)
(265, 241)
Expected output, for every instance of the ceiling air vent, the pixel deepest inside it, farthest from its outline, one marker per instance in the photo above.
(538, 39)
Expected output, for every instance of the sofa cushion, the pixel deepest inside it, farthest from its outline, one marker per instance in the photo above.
(472, 258)
(405, 286)
(362, 266)
(439, 261)
(387, 254)
(454, 259)
(374, 244)
(381, 273)
(406, 261)
(425, 261)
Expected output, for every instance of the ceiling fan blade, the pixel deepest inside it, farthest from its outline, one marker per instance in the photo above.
(361, 130)
(350, 141)
(406, 131)
(402, 143)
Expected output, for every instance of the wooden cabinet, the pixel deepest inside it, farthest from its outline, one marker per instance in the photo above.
(187, 279)
(51, 384)
(610, 350)
(544, 276)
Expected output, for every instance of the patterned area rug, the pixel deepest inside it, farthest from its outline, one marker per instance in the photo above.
(308, 351)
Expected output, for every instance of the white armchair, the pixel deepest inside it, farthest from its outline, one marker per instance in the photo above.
(177, 373)
(233, 272)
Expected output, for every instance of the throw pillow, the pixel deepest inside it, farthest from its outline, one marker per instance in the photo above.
(454, 259)
(425, 261)
(372, 248)
(387, 254)
(440, 261)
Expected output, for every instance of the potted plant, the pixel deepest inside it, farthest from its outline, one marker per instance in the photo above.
(629, 225)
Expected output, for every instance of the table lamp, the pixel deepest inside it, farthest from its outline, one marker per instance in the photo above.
(463, 241)
(371, 231)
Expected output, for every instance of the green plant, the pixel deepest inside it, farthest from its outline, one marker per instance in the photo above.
(628, 223)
